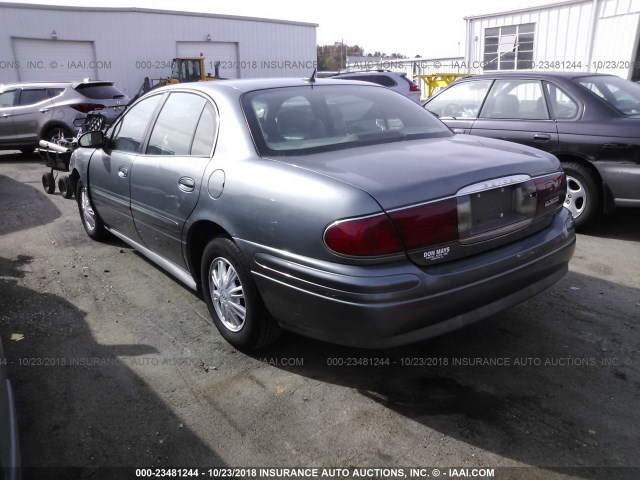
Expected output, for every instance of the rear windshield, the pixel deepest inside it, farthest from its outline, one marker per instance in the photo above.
(310, 119)
(622, 95)
(99, 92)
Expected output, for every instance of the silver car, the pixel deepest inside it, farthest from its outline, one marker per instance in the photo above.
(33, 111)
(337, 210)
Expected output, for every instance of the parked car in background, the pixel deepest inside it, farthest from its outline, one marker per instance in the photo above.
(33, 111)
(335, 209)
(396, 81)
(591, 122)
(9, 445)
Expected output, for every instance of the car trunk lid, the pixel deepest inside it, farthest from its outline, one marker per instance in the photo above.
(444, 199)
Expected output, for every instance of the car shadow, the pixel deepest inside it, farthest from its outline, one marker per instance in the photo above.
(17, 156)
(624, 224)
(549, 391)
(16, 214)
(80, 402)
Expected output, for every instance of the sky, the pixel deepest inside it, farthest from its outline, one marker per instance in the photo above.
(431, 29)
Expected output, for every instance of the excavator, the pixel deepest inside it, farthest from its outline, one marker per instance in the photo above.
(183, 70)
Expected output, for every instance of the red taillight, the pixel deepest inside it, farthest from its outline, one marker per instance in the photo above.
(550, 191)
(428, 224)
(413, 87)
(87, 107)
(368, 236)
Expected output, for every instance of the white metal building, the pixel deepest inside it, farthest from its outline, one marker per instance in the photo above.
(55, 43)
(580, 35)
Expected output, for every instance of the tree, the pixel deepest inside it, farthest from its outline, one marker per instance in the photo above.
(333, 57)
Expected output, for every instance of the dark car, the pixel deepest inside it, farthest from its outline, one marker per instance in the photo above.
(336, 209)
(591, 122)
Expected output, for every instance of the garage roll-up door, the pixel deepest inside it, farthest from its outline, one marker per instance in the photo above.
(225, 52)
(54, 60)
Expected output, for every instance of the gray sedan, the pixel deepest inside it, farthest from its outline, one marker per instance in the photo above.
(334, 209)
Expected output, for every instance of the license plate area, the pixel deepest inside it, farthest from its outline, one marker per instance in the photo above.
(496, 207)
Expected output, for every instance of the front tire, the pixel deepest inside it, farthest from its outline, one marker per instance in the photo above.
(233, 299)
(91, 221)
(583, 197)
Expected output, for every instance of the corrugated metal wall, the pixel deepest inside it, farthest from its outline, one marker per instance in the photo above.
(131, 44)
(566, 38)
(411, 66)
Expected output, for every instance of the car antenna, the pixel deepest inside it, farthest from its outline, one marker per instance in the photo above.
(312, 78)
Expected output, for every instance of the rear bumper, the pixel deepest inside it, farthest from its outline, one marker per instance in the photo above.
(396, 304)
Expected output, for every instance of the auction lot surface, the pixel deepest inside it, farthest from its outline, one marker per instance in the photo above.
(114, 363)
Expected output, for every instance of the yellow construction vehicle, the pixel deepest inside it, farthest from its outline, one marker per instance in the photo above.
(190, 69)
(434, 81)
(183, 70)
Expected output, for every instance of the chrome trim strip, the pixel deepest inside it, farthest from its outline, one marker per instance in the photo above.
(492, 184)
(173, 269)
(495, 233)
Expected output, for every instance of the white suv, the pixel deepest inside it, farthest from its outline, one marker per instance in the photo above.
(397, 81)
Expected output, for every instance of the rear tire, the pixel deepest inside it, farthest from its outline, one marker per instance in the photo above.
(65, 185)
(91, 221)
(583, 196)
(55, 134)
(233, 299)
(49, 183)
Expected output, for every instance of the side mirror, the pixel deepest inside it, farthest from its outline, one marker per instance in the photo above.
(91, 140)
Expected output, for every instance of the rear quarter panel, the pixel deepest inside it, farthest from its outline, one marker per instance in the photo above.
(268, 202)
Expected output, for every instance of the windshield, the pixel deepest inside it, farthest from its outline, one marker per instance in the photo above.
(622, 95)
(311, 119)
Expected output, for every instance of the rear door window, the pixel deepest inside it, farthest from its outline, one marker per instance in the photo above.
(516, 99)
(33, 96)
(562, 106)
(175, 127)
(54, 92)
(205, 133)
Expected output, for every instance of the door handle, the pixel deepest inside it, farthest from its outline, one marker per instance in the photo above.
(44, 110)
(186, 184)
(5, 115)
(123, 172)
(541, 137)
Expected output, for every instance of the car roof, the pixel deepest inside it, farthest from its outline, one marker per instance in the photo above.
(537, 74)
(359, 73)
(250, 84)
(37, 84)
(57, 84)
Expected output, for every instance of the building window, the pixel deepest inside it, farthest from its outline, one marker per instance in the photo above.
(509, 47)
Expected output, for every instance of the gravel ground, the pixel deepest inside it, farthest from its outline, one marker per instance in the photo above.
(114, 363)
